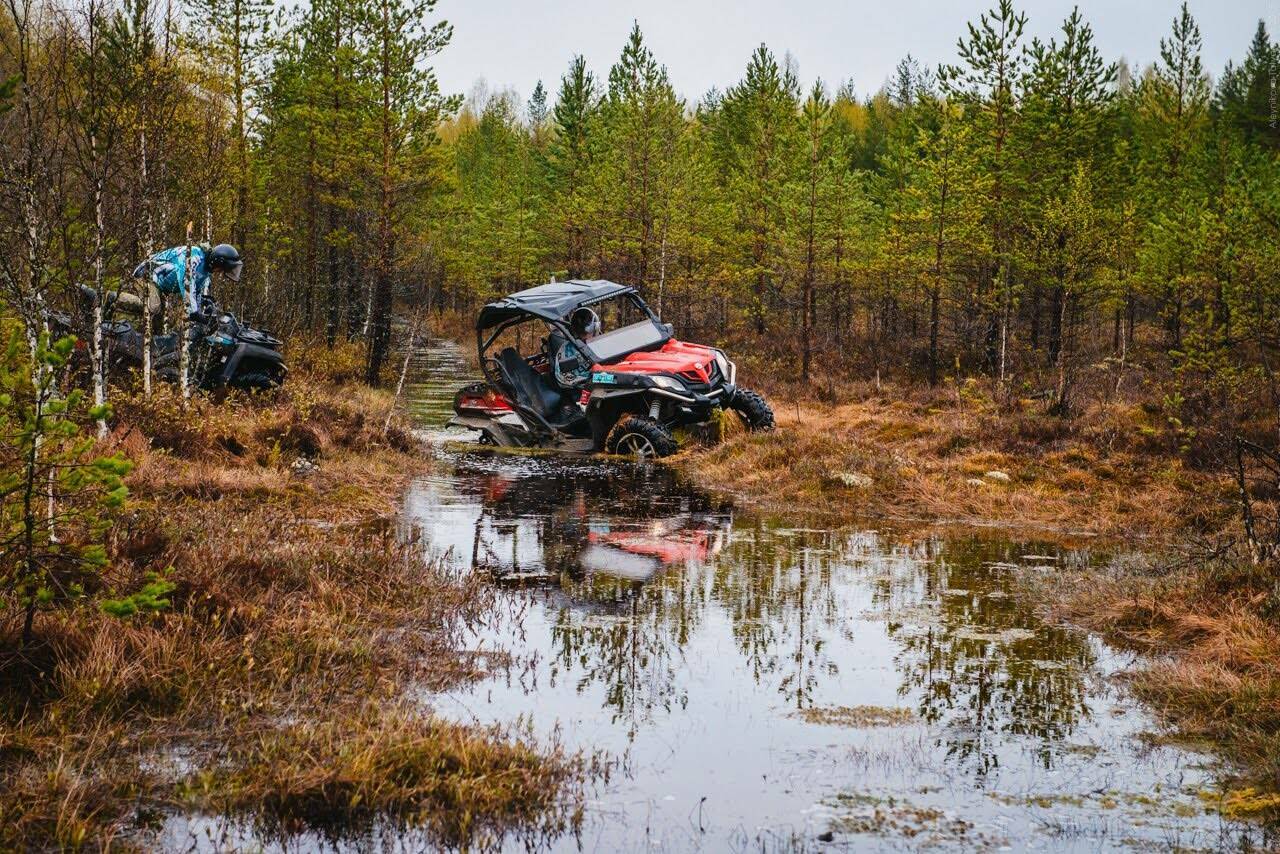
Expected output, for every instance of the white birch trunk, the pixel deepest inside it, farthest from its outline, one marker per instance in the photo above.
(368, 311)
(184, 386)
(31, 298)
(1004, 326)
(404, 370)
(148, 248)
(99, 357)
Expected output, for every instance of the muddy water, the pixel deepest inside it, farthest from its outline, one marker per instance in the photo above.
(765, 685)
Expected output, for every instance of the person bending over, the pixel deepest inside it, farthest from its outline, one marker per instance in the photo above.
(185, 271)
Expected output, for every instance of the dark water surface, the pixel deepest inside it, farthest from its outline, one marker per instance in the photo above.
(766, 685)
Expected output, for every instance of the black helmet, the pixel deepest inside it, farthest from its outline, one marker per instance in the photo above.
(584, 322)
(224, 258)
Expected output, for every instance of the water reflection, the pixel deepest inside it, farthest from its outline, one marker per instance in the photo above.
(981, 664)
(602, 538)
(592, 537)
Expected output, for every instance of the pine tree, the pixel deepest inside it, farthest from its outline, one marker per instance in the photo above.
(1246, 94)
(538, 114)
(570, 161)
(994, 60)
(816, 119)
(1067, 91)
(56, 495)
(1075, 232)
(846, 210)
(500, 190)
(911, 83)
(231, 35)
(1252, 218)
(694, 229)
(406, 113)
(330, 103)
(757, 135)
(640, 124)
(1173, 118)
(942, 212)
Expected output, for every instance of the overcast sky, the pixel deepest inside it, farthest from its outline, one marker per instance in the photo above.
(513, 44)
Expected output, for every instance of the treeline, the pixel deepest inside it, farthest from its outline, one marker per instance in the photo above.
(1022, 215)
(1036, 214)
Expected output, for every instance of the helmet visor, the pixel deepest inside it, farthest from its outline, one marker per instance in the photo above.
(233, 271)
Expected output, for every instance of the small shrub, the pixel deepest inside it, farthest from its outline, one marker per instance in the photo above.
(58, 495)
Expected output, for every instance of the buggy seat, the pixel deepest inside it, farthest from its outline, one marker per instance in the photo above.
(539, 393)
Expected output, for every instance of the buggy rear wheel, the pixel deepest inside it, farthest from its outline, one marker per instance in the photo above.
(637, 436)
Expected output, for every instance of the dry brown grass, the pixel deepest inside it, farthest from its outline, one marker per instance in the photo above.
(913, 456)
(299, 624)
(1216, 678)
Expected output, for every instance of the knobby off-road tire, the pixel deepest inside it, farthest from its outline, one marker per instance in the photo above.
(255, 382)
(637, 436)
(753, 409)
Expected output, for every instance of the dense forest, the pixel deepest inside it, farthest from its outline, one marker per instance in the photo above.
(1035, 215)
(1036, 291)
(1023, 215)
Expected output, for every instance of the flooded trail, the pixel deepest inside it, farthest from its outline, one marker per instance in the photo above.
(769, 686)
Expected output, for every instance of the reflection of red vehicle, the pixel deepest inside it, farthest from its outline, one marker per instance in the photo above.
(679, 547)
(495, 488)
(622, 521)
(640, 553)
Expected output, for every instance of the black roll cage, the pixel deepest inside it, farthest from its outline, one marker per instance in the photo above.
(485, 341)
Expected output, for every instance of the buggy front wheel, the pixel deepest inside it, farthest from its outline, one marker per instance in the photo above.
(753, 409)
(638, 436)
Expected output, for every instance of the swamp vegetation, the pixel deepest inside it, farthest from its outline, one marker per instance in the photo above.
(1033, 293)
(276, 680)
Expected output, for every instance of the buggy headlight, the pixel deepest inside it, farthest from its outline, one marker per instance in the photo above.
(669, 383)
(727, 368)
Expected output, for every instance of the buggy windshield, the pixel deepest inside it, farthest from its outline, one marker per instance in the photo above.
(627, 339)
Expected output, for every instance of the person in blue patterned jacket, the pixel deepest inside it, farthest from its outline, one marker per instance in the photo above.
(185, 271)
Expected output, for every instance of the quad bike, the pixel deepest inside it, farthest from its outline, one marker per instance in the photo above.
(642, 383)
(223, 353)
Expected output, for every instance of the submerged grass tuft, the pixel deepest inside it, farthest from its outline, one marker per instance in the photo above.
(1217, 679)
(857, 717)
(461, 784)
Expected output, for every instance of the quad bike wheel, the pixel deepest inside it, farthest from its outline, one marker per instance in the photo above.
(638, 436)
(256, 382)
(753, 409)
